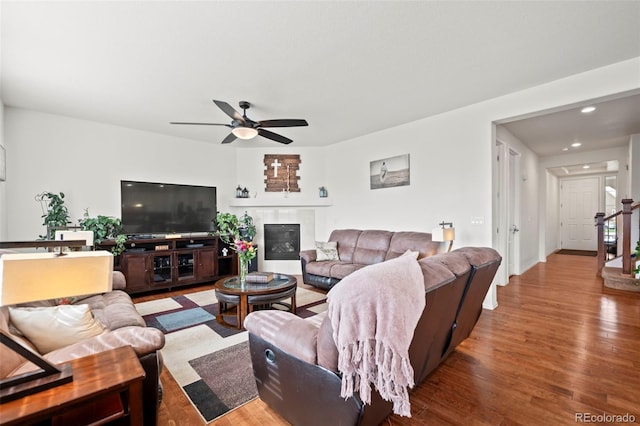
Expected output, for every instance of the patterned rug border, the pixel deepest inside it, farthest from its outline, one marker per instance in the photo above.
(189, 341)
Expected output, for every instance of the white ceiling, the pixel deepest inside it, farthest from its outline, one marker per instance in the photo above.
(609, 126)
(348, 68)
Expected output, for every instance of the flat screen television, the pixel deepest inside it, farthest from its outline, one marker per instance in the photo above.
(164, 208)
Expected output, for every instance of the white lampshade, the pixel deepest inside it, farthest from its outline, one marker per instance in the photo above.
(245, 132)
(28, 277)
(443, 234)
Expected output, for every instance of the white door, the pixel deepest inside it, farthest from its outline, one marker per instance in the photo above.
(579, 203)
(513, 213)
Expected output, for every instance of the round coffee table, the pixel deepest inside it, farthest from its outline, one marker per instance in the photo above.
(229, 290)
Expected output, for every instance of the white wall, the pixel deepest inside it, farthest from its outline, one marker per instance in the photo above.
(3, 185)
(551, 217)
(451, 163)
(528, 222)
(86, 161)
(451, 176)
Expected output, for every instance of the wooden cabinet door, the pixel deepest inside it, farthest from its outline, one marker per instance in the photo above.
(135, 267)
(206, 264)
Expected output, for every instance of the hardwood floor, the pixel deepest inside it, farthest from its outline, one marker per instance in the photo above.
(558, 345)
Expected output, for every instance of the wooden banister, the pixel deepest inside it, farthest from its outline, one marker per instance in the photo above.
(600, 237)
(626, 236)
(627, 209)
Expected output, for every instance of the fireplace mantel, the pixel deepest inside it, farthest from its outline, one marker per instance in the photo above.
(280, 202)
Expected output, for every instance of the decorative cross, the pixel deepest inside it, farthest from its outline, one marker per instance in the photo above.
(275, 166)
(285, 181)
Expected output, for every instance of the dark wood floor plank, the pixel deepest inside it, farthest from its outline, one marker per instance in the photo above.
(558, 344)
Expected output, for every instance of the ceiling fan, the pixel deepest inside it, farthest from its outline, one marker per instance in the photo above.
(243, 127)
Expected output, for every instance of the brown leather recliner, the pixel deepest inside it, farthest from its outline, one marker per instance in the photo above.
(295, 360)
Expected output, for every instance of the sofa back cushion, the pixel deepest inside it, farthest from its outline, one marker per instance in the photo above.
(414, 241)
(347, 240)
(372, 247)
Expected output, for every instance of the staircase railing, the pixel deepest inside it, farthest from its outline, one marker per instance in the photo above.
(605, 240)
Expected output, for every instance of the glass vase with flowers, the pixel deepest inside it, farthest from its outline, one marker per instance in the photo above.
(246, 253)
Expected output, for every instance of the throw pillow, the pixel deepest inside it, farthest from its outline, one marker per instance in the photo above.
(326, 251)
(51, 328)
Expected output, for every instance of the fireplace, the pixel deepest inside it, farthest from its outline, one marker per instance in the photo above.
(281, 241)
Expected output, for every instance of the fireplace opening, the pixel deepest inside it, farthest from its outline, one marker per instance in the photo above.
(282, 241)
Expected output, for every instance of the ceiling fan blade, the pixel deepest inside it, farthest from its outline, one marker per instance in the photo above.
(274, 136)
(200, 124)
(283, 123)
(228, 109)
(230, 138)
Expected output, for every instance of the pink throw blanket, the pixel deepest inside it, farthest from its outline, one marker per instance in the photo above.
(374, 312)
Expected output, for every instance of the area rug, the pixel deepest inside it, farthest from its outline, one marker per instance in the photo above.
(209, 361)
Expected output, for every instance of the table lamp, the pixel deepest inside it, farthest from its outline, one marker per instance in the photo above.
(29, 277)
(444, 234)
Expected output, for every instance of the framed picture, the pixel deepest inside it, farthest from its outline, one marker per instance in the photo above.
(388, 172)
(3, 164)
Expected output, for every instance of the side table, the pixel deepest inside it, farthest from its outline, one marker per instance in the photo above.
(110, 378)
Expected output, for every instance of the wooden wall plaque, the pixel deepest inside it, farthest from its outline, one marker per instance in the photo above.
(281, 172)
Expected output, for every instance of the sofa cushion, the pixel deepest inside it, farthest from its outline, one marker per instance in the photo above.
(51, 328)
(115, 310)
(372, 247)
(455, 262)
(326, 251)
(347, 240)
(414, 241)
(341, 270)
(322, 268)
(144, 341)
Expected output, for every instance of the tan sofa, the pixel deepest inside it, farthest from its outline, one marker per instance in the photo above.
(117, 313)
(359, 248)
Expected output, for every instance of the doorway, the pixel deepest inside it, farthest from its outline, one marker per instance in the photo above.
(506, 178)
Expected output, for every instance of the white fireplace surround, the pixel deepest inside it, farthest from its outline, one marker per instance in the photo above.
(305, 217)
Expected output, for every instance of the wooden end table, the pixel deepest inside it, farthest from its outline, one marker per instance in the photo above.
(281, 287)
(111, 376)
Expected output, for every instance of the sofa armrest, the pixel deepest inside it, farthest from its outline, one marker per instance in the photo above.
(119, 281)
(144, 340)
(286, 331)
(308, 255)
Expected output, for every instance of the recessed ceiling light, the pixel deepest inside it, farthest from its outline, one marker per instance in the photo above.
(587, 110)
(576, 144)
(586, 166)
(565, 149)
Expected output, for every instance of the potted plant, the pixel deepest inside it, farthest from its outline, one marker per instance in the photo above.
(246, 227)
(104, 227)
(227, 225)
(56, 215)
(238, 234)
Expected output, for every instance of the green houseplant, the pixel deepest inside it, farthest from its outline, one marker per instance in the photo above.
(246, 227)
(227, 224)
(56, 213)
(238, 234)
(104, 227)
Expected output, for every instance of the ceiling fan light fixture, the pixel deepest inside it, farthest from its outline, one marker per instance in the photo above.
(245, 132)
